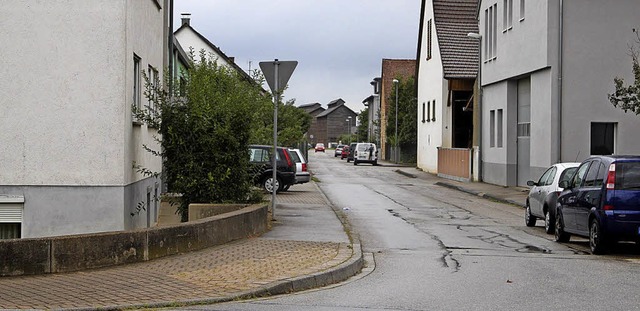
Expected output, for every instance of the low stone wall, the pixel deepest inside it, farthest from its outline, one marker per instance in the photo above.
(88, 251)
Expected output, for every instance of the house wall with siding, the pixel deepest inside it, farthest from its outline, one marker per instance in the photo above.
(70, 77)
(431, 86)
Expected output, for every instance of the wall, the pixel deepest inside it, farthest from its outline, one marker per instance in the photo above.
(79, 252)
(596, 51)
(65, 80)
(431, 86)
(391, 69)
(71, 78)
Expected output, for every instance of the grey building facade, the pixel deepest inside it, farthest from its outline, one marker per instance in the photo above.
(547, 67)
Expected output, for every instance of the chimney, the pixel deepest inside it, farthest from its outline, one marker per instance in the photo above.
(186, 18)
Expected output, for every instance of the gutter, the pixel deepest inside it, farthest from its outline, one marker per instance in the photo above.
(560, 62)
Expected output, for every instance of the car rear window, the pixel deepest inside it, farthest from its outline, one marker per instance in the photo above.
(294, 156)
(628, 175)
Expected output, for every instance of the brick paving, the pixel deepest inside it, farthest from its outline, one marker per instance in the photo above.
(217, 272)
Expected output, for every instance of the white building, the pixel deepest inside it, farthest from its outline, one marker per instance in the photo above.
(72, 71)
(447, 69)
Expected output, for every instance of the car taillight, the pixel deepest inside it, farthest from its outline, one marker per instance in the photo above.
(304, 167)
(611, 177)
(611, 184)
(288, 158)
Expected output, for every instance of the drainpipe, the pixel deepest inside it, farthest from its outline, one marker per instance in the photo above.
(560, 51)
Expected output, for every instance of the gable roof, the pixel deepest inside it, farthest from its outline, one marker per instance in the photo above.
(454, 19)
(226, 58)
(333, 106)
(313, 108)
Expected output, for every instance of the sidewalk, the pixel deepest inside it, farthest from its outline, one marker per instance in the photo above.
(306, 248)
(509, 195)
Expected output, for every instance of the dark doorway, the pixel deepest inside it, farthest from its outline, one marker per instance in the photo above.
(462, 119)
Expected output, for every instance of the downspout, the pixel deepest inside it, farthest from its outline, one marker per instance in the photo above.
(560, 53)
(171, 71)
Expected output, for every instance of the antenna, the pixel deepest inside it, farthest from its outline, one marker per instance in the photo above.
(577, 155)
(249, 66)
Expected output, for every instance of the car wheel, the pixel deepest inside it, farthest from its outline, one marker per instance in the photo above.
(529, 219)
(348, 160)
(549, 222)
(560, 234)
(285, 188)
(597, 243)
(375, 162)
(267, 184)
(355, 162)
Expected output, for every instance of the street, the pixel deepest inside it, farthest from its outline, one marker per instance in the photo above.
(433, 248)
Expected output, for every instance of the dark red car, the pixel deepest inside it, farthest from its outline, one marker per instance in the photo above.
(345, 152)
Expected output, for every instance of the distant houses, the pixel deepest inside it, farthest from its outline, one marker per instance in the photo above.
(327, 125)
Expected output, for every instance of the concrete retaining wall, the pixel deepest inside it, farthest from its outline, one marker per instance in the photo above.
(87, 251)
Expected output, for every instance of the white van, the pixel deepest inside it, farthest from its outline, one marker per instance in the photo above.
(365, 153)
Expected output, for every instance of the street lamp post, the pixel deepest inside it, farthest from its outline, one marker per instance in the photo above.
(349, 120)
(396, 82)
(478, 129)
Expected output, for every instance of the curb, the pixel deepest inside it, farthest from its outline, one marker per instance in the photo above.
(336, 274)
(401, 172)
(480, 194)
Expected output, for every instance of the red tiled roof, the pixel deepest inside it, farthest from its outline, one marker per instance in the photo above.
(454, 19)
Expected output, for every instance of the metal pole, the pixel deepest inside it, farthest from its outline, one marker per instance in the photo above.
(275, 142)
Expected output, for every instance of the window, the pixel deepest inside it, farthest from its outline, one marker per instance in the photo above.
(429, 111)
(602, 138)
(522, 10)
(579, 176)
(499, 128)
(566, 175)
(545, 177)
(507, 15)
(592, 175)
(423, 112)
(429, 39)
(11, 217)
(491, 32)
(551, 177)
(136, 81)
(492, 128)
(433, 110)
(259, 155)
(154, 81)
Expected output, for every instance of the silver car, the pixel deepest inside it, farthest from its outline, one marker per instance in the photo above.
(541, 201)
(302, 175)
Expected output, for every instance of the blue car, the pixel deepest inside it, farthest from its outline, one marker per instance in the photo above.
(602, 202)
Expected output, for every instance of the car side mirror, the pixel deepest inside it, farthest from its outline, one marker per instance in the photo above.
(564, 184)
(531, 183)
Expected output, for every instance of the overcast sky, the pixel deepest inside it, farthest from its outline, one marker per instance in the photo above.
(339, 44)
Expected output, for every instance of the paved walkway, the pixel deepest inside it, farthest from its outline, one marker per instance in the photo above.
(306, 248)
(281, 261)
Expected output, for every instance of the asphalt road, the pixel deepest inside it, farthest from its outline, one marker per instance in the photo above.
(434, 248)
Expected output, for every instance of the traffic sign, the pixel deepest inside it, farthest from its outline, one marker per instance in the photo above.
(278, 73)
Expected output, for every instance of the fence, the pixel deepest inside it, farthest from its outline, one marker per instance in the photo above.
(455, 163)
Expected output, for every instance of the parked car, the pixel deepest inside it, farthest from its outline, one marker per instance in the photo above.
(338, 150)
(319, 147)
(302, 175)
(352, 148)
(541, 201)
(262, 168)
(602, 202)
(365, 153)
(345, 152)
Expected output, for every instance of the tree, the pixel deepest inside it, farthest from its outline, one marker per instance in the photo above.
(627, 97)
(293, 122)
(407, 115)
(204, 133)
(363, 128)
